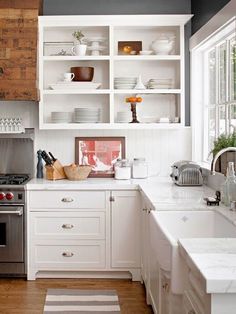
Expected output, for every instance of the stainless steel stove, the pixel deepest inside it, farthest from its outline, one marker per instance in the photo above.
(12, 224)
(16, 169)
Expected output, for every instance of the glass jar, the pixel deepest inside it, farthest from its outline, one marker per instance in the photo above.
(122, 169)
(139, 168)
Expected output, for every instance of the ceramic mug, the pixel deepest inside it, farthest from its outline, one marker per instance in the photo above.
(68, 77)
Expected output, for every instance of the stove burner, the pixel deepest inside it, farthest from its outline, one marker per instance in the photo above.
(13, 179)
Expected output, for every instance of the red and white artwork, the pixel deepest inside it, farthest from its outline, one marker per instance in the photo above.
(101, 153)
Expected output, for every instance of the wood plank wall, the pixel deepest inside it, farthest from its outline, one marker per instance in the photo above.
(18, 49)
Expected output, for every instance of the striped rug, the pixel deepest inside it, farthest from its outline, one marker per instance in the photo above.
(71, 301)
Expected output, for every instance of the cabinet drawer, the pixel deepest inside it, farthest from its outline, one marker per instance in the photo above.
(71, 256)
(72, 225)
(67, 199)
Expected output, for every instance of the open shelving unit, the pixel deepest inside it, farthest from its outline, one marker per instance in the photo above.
(110, 64)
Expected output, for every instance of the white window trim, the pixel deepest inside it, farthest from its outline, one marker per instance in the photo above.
(197, 55)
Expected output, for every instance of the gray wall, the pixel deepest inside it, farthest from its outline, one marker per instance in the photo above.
(90, 7)
(204, 10)
(102, 7)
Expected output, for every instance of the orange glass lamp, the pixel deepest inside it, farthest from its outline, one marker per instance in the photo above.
(133, 101)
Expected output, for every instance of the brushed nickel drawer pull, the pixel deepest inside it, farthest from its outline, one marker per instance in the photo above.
(67, 226)
(67, 254)
(67, 199)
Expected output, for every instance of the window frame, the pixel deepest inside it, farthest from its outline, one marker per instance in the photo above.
(200, 105)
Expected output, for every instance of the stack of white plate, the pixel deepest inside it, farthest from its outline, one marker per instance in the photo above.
(125, 82)
(160, 83)
(87, 115)
(60, 117)
(123, 117)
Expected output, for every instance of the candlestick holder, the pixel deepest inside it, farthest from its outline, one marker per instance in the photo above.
(133, 107)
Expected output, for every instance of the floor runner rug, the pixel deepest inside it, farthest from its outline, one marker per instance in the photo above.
(71, 301)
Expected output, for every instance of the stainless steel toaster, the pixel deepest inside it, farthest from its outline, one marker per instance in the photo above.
(186, 173)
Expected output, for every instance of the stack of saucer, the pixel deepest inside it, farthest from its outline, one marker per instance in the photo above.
(87, 115)
(125, 82)
(123, 117)
(60, 117)
(159, 83)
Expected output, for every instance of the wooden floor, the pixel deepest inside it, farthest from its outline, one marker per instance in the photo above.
(18, 296)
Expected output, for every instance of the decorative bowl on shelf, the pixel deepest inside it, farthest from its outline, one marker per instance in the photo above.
(75, 172)
(145, 52)
(82, 73)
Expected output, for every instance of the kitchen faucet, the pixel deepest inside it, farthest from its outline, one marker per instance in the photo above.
(222, 151)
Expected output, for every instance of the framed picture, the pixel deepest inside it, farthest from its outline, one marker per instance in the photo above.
(99, 152)
(129, 47)
(57, 48)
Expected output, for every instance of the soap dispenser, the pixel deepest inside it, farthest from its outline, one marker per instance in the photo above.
(229, 186)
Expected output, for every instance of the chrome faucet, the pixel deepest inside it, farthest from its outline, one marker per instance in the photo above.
(222, 151)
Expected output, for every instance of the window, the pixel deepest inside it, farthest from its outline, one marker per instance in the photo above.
(219, 90)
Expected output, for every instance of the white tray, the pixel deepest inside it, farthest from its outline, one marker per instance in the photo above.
(75, 85)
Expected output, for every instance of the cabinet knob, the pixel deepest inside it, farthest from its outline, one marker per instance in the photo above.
(67, 254)
(67, 226)
(67, 199)
(191, 312)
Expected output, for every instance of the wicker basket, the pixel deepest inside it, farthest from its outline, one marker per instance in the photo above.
(75, 172)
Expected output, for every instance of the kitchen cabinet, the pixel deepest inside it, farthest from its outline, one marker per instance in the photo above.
(67, 231)
(73, 232)
(125, 230)
(18, 52)
(163, 101)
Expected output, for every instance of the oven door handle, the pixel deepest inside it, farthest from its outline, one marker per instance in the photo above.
(18, 212)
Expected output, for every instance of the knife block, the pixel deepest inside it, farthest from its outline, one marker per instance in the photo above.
(55, 172)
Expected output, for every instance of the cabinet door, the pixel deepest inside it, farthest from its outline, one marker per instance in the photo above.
(144, 242)
(125, 218)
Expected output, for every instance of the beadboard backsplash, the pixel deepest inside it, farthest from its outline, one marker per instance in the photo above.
(160, 147)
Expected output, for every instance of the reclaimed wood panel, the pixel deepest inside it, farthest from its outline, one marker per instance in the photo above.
(18, 49)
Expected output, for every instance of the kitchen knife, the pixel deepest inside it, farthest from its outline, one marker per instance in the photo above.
(53, 158)
(46, 158)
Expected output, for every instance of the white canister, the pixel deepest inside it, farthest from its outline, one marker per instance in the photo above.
(122, 170)
(139, 168)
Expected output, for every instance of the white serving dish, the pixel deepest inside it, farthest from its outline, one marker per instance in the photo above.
(75, 85)
(145, 52)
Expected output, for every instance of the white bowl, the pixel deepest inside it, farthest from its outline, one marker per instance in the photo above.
(145, 52)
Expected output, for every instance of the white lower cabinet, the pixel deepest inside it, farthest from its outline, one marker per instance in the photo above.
(83, 231)
(125, 231)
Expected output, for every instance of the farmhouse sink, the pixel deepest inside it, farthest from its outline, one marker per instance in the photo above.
(166, 227)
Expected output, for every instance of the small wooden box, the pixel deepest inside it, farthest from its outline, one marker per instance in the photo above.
(55, 172)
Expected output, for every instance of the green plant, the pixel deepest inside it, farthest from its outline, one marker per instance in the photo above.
(224, 141)
(78, 35)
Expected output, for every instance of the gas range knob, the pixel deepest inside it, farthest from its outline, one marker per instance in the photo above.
(9, 196)
(2, 196)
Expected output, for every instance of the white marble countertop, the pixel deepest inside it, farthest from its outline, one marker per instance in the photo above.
(215, 259)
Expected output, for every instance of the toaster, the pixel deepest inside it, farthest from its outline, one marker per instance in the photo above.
(186, 173)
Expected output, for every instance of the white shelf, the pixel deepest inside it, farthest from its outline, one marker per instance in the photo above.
(113, 126)
(147, 58)
(76, 58)
(147, 91)
(75, 91)
(145, 28)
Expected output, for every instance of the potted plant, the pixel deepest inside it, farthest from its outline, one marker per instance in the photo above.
(80, 48)
(224, 141)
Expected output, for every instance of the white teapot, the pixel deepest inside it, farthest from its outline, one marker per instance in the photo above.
(163, 45)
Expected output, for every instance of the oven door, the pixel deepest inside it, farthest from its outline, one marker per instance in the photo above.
(11, 234)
